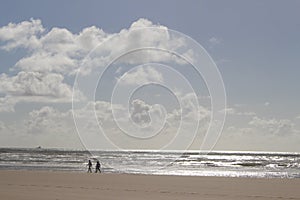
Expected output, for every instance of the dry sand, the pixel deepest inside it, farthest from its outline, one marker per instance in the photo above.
(74, 186)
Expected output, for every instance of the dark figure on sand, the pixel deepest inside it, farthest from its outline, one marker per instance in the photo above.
(98, 167)
(90, 166)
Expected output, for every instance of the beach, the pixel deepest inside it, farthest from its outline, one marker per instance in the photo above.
(21, 184)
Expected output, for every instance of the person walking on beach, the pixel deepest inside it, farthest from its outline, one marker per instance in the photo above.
(89, 166)
(98, 167)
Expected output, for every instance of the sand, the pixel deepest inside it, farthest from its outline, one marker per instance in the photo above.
(72, 186)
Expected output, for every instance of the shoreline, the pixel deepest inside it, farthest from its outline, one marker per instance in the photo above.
(141, 174)
(72, 185)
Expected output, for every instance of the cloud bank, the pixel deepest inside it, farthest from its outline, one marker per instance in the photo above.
(43, 79)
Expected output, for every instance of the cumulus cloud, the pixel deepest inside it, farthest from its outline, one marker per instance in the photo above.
(35, 84)
(25, 34)
(273, 126)
(140, 112)
(246, 130)
(42, 119)
(53, 124)
(141, 75)
(48, 119)
(51, 56)
(46, 62)
(7, 104)
(240, 121)
(101, 109)
(141, 120)
(252, 138)
(60, 50)
(50, 127)
(190, 121)
(33, 87)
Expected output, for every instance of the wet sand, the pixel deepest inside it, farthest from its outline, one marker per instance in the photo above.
(33, 185)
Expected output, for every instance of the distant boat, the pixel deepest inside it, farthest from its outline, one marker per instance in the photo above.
(39, 147)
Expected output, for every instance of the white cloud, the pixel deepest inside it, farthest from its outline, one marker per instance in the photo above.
(140, 38)
(50, 127)
(47, 62)
(141, 75)
(33, 87)
(24, 34)
(140, 112)
(7, 104)
(256, 139)
(47, 119)
(102, 109)
(46, 127)
(41, 120)
(53, 55)
(245, 130)
(141, 23)
(142, 120)
(247, 122)
(59, 50)
(187, 118)
(58, 40)
(273, 126)
(35, 84)
(90, 37)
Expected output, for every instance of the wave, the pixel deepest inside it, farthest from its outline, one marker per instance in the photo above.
(217, 163)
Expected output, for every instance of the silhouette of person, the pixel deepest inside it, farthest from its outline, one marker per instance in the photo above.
(90, 166)
(98, 167)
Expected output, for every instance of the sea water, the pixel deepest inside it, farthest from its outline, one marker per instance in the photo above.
(191, 163)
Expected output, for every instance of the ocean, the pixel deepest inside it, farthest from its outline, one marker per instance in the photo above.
(192, 163)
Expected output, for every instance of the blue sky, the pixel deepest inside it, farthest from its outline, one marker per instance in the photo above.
(255, 44)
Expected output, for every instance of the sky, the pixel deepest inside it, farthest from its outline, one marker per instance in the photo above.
(255, 46)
